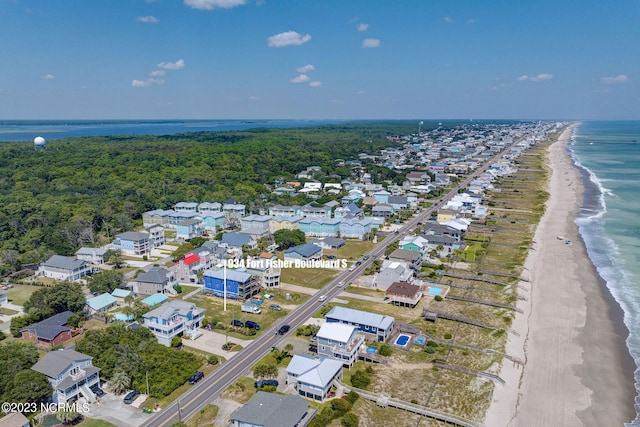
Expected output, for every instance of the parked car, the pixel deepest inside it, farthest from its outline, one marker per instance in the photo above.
(131, 396)
(262, 383)
(252, 325)
(275, 307)
(283, 329)
(97, 390)
(196, 377)
(330, 256)
(237, 323)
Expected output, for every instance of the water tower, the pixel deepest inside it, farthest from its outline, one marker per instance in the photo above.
(39, 143)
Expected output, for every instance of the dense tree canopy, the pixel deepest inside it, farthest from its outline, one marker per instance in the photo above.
(105, 281)
(286, 239)
(18, 383)
(55, 299)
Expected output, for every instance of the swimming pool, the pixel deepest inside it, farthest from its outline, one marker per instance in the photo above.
(420, 340)
(434, 291)
(122, 317)
(371, 350)
(403, 340)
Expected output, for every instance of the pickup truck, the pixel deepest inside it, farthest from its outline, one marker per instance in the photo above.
(250, 308)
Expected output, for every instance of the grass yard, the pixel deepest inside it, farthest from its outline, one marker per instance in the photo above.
(240, 391)
(315, 278)
(206, 417)
(352, 250)
(19, 294)
(7, 311)
(92, 422)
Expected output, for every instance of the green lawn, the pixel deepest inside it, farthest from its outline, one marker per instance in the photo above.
(7, 311)
(92, 422)
(21, 293)
(315, 278)
(352, 250)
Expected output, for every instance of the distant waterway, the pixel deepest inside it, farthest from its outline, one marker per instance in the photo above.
(27, 130)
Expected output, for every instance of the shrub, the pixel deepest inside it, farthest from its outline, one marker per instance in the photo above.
(447, 336)
(437, 298)
(213, 359)
(350, 420)
(352, 397)
(341, 406)
(360, 379)
(430, 350)
(176, 342)
(177, 288)
(385, 350)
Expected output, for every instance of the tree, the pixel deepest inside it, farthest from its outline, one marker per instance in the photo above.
(176, 342)
(265, 370)
(61, 297)
(114, 257)
(28, 386)
(181, 251)
(286, 239)
(120, 382)
(105, 281)
(66, 416)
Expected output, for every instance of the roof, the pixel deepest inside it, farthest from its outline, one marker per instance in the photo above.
(167, 310)
(121, 293)
(403, 288)
(191, 258)
(55, 363)
(405, 255)
(64, 262)
(235, 275)
(236, 239)
(91, 251)
(50, 327)
(101, 301)
(336, 331)
(257, 218)
(272, 410)
(132, 235)
(155, 299)
(305, 250)
(322, 374)
(154, 275)
(15, 419)
(359, 317)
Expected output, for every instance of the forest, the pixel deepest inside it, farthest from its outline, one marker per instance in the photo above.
(83, 191)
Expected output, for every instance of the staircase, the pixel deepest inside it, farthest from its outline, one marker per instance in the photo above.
(87, 393)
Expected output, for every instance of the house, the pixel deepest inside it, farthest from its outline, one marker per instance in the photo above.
(120, 295)
(100, 304)
(355, 228)
(205, 207)
(65, 268)
(446, 215)
(329, 243)
(444, 245)
(272, 410)
(156, 235)
(175, 318)
(398, 203)
(156, 217)
(304, 252)
(393, 271)
(190, 228)
(49, 332)
(70, 373)
(132, 243)
(186, 207)
(92, 255)
(349, 210)
(313, 377)
(411, 258)
(231, 283)
(283, 222)
(155, 299)
(256, 225)
(14, 419)
(415, 244)
(279, 210)
(237, 241)
(319, 227)
(382, 211)
(311, 211)
(234, 209)
(339, 341)
(265, 271)
(213, 221)
(156, 280)
(176, 218)
(403, 294)
(382, 196)
(376, 326)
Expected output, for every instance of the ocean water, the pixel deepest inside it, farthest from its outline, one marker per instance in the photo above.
(27, 130)
(609, 221)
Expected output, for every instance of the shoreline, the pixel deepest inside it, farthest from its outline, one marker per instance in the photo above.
(578, 369)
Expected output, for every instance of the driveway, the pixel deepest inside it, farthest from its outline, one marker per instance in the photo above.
(6, 320)
(212, 342)
(113, 409)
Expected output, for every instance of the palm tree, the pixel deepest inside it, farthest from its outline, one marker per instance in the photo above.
(67, 417)
(120, 382)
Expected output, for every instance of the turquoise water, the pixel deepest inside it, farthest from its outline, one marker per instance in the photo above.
(434, 291)
(609, 221)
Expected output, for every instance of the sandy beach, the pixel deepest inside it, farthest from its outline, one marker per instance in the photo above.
(577, 371)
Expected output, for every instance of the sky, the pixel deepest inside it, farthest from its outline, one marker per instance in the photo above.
(319, 59)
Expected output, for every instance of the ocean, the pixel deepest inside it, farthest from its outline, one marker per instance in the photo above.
(609, 221)
(27, 130)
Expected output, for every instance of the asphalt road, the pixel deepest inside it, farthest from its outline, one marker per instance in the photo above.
(209, 388)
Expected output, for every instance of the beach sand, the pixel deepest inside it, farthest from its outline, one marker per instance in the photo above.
(578, 371)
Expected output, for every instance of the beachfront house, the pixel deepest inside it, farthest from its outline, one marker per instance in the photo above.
(403, 294)
(272, 410)
(377, 327)
(339, 341)
(313, 377)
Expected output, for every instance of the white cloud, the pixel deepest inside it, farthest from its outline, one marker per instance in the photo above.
(178, 65)
(537, 78)
(213, 4)
(371, 43)
(448, 20)
(156, 73)
(288, 38)
(315, 84)
(305, 69)
(159, 82)
(620, 78)
(140, 83)
(148, 19)
(48, 77)
(471, 21)
(302, 78)
(363, 27)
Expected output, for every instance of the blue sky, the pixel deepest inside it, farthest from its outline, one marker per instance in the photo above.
(319, 59)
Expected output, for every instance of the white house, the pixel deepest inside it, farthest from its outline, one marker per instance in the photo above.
(65, 268)
(313, 377)
(174, 318)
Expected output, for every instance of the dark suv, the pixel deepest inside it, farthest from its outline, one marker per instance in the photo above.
(237, 323)
(262, 383)
(196, 377)
(252, 325)
(283, 329)
(131, 396)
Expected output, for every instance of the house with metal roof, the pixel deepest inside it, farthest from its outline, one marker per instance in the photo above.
(100, 304)
(382, 211)
(234, 284)
(255, 225)
(185, 207)
(132, 243)
(283, 222)
(92, 255)
(355, 228)
(120, 294)
(173, 319)
(70, 373)
(157, 216)
(313, 377)
(305, 252)
(237, 241)
(393, 271)
(339, 341)
(319, 227)
(65, 268)
(190, 228)
(155, 299)
(329, 243)
(49, 332)
(376, 326)
(273, 410)
(156, 280)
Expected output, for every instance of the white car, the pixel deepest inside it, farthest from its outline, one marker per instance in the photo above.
(340, 284)
(322, 298)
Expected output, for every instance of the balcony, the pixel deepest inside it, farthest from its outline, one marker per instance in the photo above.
(78, 375)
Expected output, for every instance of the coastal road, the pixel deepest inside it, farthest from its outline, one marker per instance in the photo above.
(210, 387)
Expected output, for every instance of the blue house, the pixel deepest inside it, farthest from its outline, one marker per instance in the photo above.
(132, 243)
(100, 304)
(377, 326)
(305, 252)
(239, 284)
(355, 228)
(382, 196)
(319, 227)
(213, 220)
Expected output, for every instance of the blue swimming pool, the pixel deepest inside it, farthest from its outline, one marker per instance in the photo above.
(122, 317)
(371, 350)
(434, 291)
(403, 340)
(420, 340)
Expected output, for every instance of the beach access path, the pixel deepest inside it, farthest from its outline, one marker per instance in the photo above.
(578, 371)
